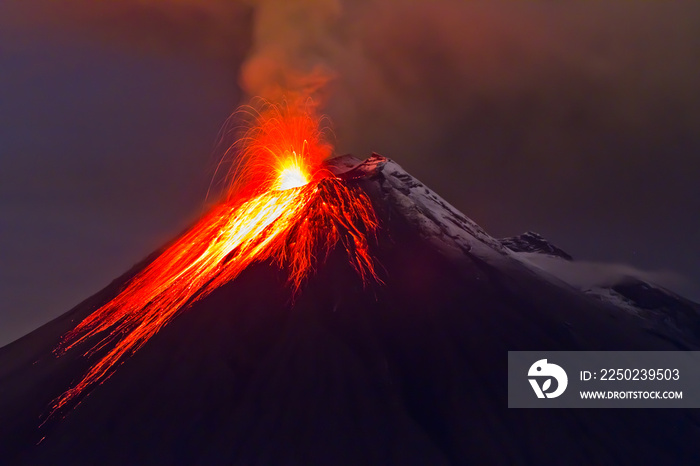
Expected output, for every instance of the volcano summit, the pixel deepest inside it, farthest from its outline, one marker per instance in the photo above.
(403, 363)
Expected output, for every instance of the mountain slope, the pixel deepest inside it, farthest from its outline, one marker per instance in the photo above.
(408, 371)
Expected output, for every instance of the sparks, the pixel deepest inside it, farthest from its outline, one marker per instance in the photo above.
(283, 208)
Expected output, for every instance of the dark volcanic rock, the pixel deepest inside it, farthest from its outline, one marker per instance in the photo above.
(533, 242)
(408, 371)
(661, 310)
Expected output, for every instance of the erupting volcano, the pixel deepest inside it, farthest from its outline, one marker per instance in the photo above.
(282, 206)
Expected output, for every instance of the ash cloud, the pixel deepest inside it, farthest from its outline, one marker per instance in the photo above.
(536, 74)
(293, 43)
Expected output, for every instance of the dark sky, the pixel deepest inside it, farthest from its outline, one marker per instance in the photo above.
(579, 121)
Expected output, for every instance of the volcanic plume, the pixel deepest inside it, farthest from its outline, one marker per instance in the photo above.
(320, 363)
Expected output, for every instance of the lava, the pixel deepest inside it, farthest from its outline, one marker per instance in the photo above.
(282, 207)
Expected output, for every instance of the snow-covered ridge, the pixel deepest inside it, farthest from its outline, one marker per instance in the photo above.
(435, 218)
(444, 226)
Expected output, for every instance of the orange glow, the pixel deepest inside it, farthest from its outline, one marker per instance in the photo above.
(284, 148)
(288, 211)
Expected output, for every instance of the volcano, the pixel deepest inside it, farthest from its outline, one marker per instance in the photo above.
(409, 368)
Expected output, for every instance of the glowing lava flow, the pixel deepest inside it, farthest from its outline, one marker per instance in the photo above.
(289, 211)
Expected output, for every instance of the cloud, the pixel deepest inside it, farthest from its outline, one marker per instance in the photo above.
(586, 275)
(515, 80)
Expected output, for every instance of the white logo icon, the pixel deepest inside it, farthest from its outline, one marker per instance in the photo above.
(543, 369)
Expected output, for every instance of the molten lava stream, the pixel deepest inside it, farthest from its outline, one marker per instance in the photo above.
(291, 222)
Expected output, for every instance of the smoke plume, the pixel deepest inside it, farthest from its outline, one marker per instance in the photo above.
(293, 44)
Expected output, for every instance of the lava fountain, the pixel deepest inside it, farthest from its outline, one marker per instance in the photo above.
(281, 206)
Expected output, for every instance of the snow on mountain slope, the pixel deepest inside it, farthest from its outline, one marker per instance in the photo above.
(660, 309)
(630, 290)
